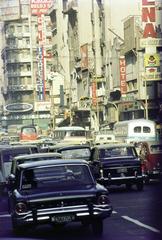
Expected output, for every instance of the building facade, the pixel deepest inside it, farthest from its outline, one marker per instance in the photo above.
(67, 62)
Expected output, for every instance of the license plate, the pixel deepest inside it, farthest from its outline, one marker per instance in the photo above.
(62, 218)
(122, 170)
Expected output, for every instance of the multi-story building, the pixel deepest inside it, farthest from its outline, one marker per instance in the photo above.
(87, 46)
(2, 84)
(91, 78)
(28, 68)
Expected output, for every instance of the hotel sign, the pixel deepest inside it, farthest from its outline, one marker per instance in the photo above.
(123, 84)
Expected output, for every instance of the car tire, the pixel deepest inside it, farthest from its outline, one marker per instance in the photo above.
(18, 230)
(97, 227)
(147, 180)
(85, 223)
(140, 186)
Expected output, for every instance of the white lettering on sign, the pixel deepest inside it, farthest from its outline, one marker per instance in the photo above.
(123, 84)
(149, 18)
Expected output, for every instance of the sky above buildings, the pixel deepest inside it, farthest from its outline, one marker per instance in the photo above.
(120, 9)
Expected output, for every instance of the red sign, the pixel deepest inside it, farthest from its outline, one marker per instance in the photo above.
(149, 18)
(123, 84)
(94, 96)
(40, 6)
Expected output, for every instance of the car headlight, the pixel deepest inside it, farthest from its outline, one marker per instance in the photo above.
(20, 208)
(103, 199)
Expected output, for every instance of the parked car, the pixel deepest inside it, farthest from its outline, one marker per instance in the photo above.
(7, 152)
(57, 192)
(117, 164)
(151, 156)
(75, 151)
(32, 157)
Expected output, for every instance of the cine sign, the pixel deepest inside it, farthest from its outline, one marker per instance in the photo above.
(18, 107)
(149, 18)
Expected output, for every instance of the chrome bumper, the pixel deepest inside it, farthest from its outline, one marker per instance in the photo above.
(80, 212)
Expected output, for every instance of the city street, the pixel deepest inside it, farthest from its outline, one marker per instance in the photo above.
(136, 216)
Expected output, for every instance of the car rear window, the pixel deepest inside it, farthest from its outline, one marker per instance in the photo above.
(56, 177)
(117, 152)
(10, 153)
(76, 153)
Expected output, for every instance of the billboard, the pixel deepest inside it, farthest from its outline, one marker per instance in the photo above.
(9, 10)
(40, 6)
(152, 67)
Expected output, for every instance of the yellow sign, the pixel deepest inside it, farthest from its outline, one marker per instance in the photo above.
(152, 60)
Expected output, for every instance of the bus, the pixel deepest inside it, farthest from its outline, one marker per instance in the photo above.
(71, 134)
(135, 130)
(28, 133)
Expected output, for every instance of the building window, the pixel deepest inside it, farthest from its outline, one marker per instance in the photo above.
(26, 28)
(11, 29)
(19, 29)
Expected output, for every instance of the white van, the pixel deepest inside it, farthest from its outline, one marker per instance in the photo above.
(104, 139)
(136, 130)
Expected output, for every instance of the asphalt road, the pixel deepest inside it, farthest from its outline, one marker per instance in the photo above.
(136, 216)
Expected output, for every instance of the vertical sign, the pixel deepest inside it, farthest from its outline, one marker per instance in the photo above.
(84, 56)
(39, 8)
(123, 83)
(149, 18)
(94, 96)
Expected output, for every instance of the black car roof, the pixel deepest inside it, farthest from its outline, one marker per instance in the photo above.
(105, 146)
(12, 147)
(37, 155)
(51, 162)
(73, 147)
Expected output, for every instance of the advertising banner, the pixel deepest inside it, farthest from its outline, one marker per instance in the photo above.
(152, 67)
(40, 6)
(152, 60)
